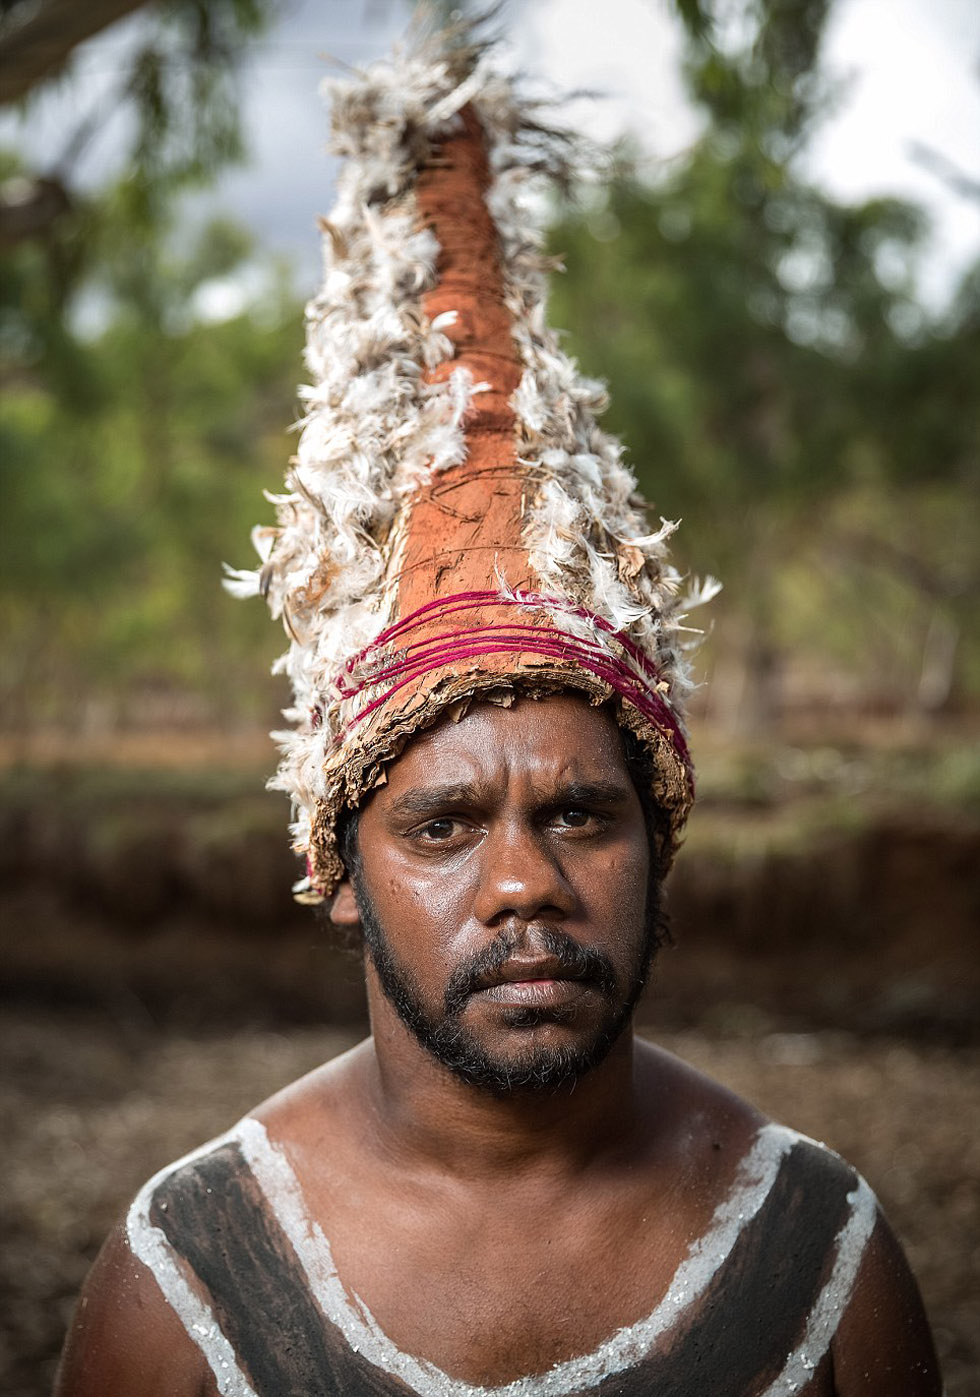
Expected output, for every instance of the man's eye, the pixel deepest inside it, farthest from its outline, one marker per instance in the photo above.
(574, 818)
(437, 831)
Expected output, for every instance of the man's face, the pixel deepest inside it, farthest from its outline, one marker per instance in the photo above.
(505, 894)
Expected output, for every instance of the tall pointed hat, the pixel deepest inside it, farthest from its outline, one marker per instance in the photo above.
(456, 527)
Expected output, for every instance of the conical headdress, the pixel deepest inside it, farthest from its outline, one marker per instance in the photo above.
(456, 525)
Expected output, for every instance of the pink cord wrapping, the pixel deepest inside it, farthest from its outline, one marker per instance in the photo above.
(470, 643)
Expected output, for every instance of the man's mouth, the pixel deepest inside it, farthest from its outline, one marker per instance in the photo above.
(542, 994)
(543, 981)
(540, 970)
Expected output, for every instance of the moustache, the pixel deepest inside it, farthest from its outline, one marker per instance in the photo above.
(575, 962)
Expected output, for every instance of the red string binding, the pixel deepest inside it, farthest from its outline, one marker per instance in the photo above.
(401, 666)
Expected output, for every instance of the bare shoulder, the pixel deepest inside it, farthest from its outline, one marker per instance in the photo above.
(848, 1302)
(320, 1115)
(125, 1338)
(701, 1112)
(883, 1346)
(142, 1322)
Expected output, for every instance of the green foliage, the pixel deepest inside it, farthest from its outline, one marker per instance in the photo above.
(773, 374)
(772, 370)
(120, 506)
(180, 85)
(132, 458)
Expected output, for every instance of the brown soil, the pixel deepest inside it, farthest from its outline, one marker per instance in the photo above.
(170, 889)
(92, 1105)
(825, 909)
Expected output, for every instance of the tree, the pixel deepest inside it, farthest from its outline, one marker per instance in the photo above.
(121, 498)
(36, 40)
(769, 362)
(131, 457)
(177, 84)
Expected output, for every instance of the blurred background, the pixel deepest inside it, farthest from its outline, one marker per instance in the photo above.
(779, 275)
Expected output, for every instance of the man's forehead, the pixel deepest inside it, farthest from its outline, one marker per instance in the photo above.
(550, 741)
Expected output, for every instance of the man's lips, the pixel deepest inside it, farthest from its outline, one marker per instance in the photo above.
(543, 993)
(544, 980)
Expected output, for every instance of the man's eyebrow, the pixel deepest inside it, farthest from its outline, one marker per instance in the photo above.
(591, 793)
(421, 800)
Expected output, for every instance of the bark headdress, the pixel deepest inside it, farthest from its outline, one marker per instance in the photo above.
(456, 527)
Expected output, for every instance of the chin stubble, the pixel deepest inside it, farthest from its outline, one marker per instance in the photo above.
(537, 1068)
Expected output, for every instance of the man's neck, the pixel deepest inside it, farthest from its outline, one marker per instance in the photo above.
(422, 1113)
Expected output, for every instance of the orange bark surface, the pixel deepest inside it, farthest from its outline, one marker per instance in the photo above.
(469, 516)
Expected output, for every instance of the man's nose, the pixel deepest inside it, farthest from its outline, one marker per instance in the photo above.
(520, 876)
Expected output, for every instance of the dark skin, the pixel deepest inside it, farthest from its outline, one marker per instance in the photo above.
(541, 1223)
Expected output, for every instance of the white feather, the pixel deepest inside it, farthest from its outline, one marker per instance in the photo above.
(373, 428)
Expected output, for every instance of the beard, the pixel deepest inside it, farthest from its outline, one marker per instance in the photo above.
(536, 1067)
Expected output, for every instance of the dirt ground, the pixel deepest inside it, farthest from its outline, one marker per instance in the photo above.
(90, 1107)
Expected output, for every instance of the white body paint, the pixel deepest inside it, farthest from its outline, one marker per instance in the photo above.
(149, 1243)
(756, 1175)
(829, 1305)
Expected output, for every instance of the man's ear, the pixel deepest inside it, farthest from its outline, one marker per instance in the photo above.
(343, 909)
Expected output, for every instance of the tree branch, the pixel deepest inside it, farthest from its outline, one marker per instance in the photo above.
(41, 44)
(28, 208)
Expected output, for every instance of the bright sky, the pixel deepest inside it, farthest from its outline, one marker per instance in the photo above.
(909, 70)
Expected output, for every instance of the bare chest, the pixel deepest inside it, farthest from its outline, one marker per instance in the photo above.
(545, 1302)
(493, 1293)
(663, 1283)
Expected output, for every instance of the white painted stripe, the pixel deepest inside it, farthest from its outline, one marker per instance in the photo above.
(831, 1303)
(628, 1346)
(149, 1243)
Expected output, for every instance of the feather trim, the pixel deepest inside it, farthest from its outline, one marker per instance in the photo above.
(374, 426)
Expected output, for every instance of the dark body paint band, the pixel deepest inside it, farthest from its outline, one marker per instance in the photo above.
(732, 1343)
(215, 1215)
(755, 1310)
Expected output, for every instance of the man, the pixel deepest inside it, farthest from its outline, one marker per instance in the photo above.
(501, 1191)
(502, 1182)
